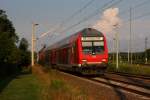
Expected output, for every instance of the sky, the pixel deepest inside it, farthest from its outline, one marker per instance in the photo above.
(57, 16)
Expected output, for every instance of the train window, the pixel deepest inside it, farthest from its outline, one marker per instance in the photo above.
(95, 47)
(86, 44)
(100, 43)
(98, 47)
(87, 47)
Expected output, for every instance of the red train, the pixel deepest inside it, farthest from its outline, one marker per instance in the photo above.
(85, 52)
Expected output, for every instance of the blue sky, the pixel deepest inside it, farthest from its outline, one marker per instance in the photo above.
(50, 13)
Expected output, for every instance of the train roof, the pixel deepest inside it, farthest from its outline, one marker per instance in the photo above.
(86, 32)
(90, 32)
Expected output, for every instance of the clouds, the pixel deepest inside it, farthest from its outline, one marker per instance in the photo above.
(108, 21)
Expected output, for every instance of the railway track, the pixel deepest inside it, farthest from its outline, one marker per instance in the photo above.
(139, 84)
(143, 91)
(130, 75)
(137, 89)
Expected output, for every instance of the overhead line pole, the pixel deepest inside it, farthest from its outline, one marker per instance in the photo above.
(146, 50)
(129, 43)
(117, 45)
(33, 43)
(117, 49)
(114, 50)
(131, 33)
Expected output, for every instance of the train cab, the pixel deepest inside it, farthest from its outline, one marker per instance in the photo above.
(93, 50)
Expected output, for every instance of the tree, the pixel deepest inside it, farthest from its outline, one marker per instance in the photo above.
(9, 53)
(23, 44)
(7, 27)
(25, 54)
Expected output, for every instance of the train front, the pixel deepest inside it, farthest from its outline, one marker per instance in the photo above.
(93, 52)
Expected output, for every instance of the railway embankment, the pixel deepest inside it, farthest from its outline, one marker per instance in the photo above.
(59, 85)
(56, 87)
(50, 84)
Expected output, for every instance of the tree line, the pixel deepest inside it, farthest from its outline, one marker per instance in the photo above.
(13, 53)
(137, 57)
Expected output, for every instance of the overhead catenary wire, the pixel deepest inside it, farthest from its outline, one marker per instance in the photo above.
(69, 18)
(135, 7)
(77, 12)
(85, 19)
(141, 16)
(105, 6)
(138, 17)
(97, 11)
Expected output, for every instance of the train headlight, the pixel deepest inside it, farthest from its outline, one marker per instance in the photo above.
(103, 60)
(84, 60)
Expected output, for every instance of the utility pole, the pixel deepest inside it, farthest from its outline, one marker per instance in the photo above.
(33, 43)
(117, 49)
(36, 41)
(114, 50)
(146, 50)
(117, 44)
(130, 42)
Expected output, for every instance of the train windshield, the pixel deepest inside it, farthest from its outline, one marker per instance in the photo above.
(87, 47)
(93, 47)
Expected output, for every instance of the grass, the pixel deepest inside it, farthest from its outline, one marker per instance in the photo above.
(22, 87)
(131, 69)
(59, 89)
(57, 84)
(42, 84)
(55, 87)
